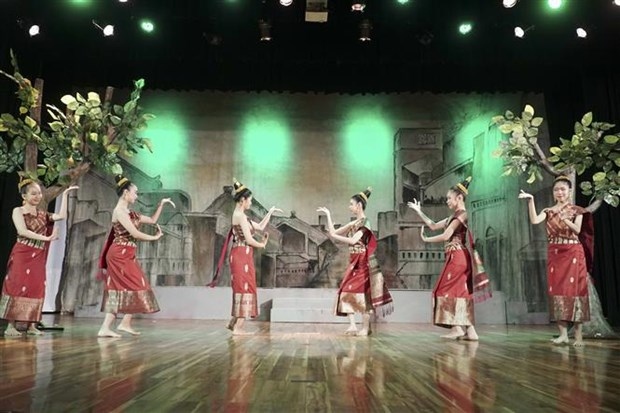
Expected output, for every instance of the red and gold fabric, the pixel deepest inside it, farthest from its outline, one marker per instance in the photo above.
(453, 302)
(23, 290)
(363, 288)
(127, 290)
(566, 269)
(243, 276)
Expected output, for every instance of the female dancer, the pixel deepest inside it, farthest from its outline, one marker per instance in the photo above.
(453, 304)
(362, 289)
(127, 290)
(23, 291)
(566, 262)
(242, 271)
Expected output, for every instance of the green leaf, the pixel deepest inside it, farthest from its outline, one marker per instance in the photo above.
(93, 137)
(23, 110)
(529, 110)
(532, 178)
(587, 119)
(56, 126)
(506, 127)
(555, 150)
(537, 121)
(611, 139)
(497, 119)
(617, 162)
(116, 169)
(113, 148)
(509, 115)
(73, 105)
(67, 99)
(580, 168)
(612, 200)
(599, 176)
(94, 99)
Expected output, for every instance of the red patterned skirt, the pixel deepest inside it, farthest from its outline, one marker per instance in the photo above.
(243, 281)
(127, 289)
(354, 292)
(568, 283)
(453, 303)
(23, 290)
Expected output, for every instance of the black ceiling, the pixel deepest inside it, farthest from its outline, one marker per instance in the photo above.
(184, 53)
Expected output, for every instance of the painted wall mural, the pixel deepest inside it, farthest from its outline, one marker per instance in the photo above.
(299, 152)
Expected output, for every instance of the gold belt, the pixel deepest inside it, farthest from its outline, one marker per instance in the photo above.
(34, 243)
(357, 249)
(560, 240)
(126, 243)
(453, 246)
(239, 244)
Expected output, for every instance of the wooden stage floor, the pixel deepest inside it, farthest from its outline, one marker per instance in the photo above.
(196, 366)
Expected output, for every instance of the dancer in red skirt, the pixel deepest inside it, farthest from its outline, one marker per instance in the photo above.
(127, 290)
(242, 271)
(453, 304)
(23, 290)
(566, 260)
(363, 289)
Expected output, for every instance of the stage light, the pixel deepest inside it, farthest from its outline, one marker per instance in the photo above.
(34, 30)
(147, 26)
(122, 1)
(616, 2)
(108, 30)
(509, 3)
(264, 27)
(286, 2)
(358, 6)
(581, 32)
(365, 28)
(402, 1)
(554, 4)
(465, 28)
(520, 32)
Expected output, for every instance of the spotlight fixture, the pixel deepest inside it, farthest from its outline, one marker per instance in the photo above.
(108, 30)
(358, 6)
(29, 27)
(122, 1)
(520, 32)
(616, 2)
(581, 33)
(147, 26)
(402, 1)
(264, 28)
(365, 28)
(286, 3)
(554, 4)
(465, 28)
(34, 30)
(509, 3)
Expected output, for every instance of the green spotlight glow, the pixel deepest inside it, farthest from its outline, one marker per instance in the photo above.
(465, 28)
(554, 4)
(367, 141)
(402, 1)
(169, 137)
(266, 142)
(80, 3)
(147, 25)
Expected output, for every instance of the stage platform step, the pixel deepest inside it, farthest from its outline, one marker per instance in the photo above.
(304, 310)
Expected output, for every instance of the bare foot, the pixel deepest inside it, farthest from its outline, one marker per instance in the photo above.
(560, 340)
(351, 331)
(128, 330)
(455, 333)
(12, 332)
(363, 333)
(108, 333)
(231, 323)
(579, 343)
(471, 334)
(32, 331)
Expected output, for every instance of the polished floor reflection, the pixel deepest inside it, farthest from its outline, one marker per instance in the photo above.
(196, 366)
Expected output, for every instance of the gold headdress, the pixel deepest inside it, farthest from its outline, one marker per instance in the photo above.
(462, 186)
(237, 186)
(23, 182)
(365, 194)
